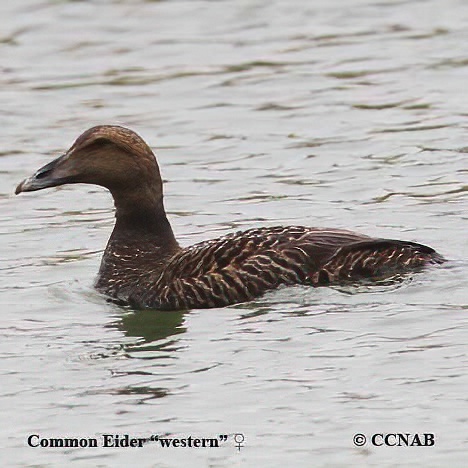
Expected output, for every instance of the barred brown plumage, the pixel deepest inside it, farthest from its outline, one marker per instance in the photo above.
(144, 266)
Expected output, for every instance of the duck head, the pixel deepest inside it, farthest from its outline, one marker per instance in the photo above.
(107, 155)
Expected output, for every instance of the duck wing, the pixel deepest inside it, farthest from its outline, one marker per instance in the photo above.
(241, 266)
(244, 265)
(374, 259)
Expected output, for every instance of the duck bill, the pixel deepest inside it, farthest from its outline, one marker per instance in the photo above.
(47, 176)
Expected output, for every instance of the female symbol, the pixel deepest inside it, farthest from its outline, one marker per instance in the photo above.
(239, 439)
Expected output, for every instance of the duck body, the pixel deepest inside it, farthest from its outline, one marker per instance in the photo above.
(244, 265)
(145, 267)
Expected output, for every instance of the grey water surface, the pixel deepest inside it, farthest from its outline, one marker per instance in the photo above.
(349, 114)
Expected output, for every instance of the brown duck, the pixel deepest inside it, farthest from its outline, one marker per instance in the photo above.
(144, 266)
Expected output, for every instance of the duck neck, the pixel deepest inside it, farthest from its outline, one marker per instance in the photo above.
(141, 218)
